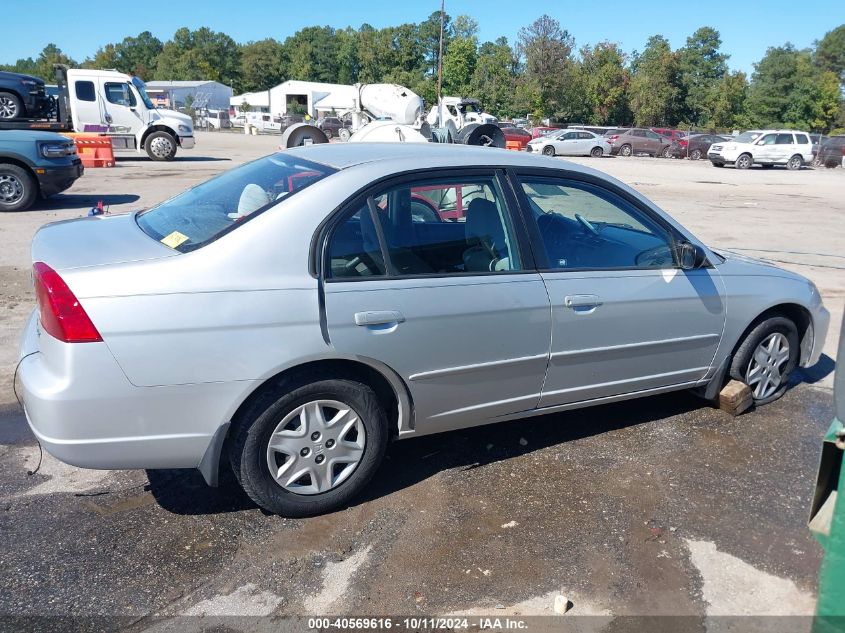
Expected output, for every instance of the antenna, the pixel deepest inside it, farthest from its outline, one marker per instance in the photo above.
(440, 68)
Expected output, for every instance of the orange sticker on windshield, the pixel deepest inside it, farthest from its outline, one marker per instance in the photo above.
(174, 239)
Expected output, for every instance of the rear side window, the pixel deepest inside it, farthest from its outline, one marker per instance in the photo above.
(207, 211)
(802, 139)
(784, 139)
(85, 91)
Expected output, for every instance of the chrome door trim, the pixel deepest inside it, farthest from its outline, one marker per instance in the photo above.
(463, 369)
(630, 346)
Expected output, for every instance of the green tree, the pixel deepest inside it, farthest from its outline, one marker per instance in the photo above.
(728, 102)
(25, 66)
(200, 54)
(262, 65)
(347, 56)
(494, 79)
(312, 54)
(139, 54)
(105, 57)
(429, 37)
(830, 52)
(702, 66)
(51, 54)
(654, 89)
(459, 61)
(605, 79)
(546, 49)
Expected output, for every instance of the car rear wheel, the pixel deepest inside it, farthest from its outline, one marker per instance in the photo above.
(743, 161)
(10, 106)
(548, 150)
(695, 154)
(766, 357)
(625, 150)
(309, 449)
(795, 163)
(328, 133)
(664, 153)
(597, 152)
(18, 189)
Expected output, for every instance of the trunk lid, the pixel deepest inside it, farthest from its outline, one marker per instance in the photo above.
(95, 241)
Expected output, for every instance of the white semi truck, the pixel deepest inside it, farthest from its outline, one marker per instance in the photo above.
(113, 103)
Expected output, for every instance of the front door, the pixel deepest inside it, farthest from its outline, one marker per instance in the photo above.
(120, 107)
(625, 319)
(430, 277)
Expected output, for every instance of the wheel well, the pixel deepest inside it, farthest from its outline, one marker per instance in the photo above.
(798, 314)
(23, 165)
(158, 128)
(336, 368)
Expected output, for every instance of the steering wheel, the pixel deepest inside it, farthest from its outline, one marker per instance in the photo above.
(657, 257)
(586, 224)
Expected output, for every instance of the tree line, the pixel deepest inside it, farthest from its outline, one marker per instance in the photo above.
(541, 75)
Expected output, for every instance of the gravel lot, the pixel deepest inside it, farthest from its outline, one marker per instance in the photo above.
(660, 506)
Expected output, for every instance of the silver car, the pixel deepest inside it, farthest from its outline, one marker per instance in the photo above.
(293, 315)
(571, 143)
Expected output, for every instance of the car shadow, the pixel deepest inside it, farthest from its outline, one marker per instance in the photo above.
(410, 462)
(83, 201)
(821, 370)
(177, 159)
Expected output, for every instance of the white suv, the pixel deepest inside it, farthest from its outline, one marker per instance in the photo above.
(764, 147)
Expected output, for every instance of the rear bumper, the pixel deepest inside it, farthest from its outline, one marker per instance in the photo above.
(56, 179)
(85, 412)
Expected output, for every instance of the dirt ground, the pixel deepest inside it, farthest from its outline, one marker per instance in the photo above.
(660, 506)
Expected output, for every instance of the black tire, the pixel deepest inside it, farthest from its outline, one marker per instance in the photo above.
(695, 154)
(597, 152)
(11, 107)
(18, 188)
(626, 150)
(328, 133)
(251, 435)
(548, 150)
(298, 133)
(160, 146)
(744, 354)
(795, 163)
(744, 161)
(664, 153)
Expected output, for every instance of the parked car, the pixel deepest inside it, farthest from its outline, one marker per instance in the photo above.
(216, 120)
(818, 140)
(332, 125)
(695, 146)
(671, 134)
(285, 315)
(571, 143)
(517, 135)
(538, 131)
(35, 165)
(764, 147)
(22, 96)
(832, 152)
(639, 141)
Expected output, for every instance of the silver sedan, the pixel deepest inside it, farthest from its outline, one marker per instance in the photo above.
(293, 315)
(571, 143)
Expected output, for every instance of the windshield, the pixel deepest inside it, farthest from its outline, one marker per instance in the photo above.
(142, 92)
(746, 137)
(207, 211)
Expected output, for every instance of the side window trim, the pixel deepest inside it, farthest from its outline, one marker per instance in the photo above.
(320, 251)
(536, 239)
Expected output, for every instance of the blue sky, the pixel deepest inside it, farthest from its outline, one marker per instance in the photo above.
(748, 27)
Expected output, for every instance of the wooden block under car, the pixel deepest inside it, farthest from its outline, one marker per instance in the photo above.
(735, 397)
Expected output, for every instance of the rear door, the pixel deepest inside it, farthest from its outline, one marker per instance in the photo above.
(625, 319)
(785, 147)
(431, 276)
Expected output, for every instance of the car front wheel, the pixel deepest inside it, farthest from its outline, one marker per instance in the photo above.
(766, 357)
(743, 161)
(695, 154)
(18, 188)
(309, 449)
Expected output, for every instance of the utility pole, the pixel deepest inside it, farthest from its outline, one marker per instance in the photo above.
(440, 68)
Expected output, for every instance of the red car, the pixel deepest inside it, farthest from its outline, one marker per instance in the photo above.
(537, 132)
(672, 135)
(518, 135)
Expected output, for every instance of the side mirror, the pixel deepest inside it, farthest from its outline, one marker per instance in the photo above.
(691, 256)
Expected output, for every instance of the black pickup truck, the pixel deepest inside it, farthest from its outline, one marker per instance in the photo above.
(22, 96)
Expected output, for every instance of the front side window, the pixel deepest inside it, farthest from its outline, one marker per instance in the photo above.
(207, 211)
(436, 227)
(120, 94)
(584, 226)
(769, 139)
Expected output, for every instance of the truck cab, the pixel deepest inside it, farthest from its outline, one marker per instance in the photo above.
(113, 103)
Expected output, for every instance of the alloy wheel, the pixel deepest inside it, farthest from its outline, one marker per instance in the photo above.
(8, 108)
(161, 147)
(794, 163)
(11, 189)
(316, 447)
(764, 373)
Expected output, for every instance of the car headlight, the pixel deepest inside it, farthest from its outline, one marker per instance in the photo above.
(57, 150)
(185, 128)
(729, 148)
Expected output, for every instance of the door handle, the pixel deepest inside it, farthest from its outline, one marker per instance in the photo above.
(378, 317)
(581, 301)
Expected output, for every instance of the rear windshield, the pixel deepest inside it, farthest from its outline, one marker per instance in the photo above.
(207, 211)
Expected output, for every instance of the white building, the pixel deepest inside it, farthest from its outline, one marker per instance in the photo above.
(316, 98)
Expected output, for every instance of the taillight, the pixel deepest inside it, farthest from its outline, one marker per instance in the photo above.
(683, 142)
(62, 316)
(613, 138)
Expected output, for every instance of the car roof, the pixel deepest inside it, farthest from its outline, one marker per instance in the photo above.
(424, 156)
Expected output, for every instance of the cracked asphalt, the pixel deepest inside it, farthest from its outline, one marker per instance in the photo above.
(660, 506)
